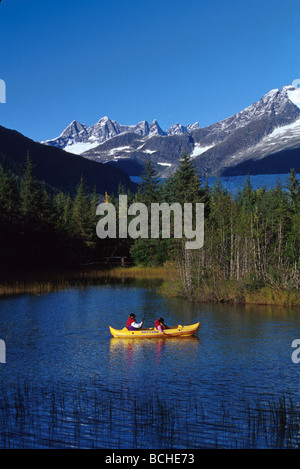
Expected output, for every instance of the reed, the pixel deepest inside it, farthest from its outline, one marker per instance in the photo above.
(44, 282)
(270, 296)
(89, 415)
(228, 291)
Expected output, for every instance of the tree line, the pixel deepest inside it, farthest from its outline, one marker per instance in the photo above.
(41, 227)
(252, 237)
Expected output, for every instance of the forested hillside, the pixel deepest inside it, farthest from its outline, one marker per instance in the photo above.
(57, 168)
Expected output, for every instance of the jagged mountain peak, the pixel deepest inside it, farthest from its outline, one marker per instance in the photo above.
(73, 129)
(155, 128)
(176, 129)
(268, 125)
(191, 127)
(277, 106)
(104, 129)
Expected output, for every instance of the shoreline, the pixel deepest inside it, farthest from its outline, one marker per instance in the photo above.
(234, 293)
(39, 282)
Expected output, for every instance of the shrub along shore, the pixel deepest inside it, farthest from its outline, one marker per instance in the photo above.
(165, 278)
(233, 292)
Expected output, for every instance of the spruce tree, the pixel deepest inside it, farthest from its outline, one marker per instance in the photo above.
(149, 187)
(28, 191)
(93, 218)
(81, 213)
(184, 185)
(293, 187)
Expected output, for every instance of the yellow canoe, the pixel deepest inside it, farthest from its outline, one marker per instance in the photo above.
(153, 333)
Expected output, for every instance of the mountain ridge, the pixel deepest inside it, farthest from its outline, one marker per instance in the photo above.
(266, 127)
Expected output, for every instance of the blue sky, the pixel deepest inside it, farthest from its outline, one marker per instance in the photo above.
(135, 60)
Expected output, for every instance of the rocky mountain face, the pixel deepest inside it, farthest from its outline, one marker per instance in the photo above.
(103, 130)
(234, 145)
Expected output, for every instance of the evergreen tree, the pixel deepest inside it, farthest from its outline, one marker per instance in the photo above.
(184, 185)
(81, 214)
(9, 196)
(292, 185)
(68, 215)
(149, 188)
(93, 218)
(28, 191)
(248, 196)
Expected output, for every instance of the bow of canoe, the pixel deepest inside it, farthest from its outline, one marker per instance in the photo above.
(152, 333)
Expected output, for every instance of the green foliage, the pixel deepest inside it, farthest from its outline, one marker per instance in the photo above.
(293, 187)
(41, 229)
(81, 214)
(28, 191)
(184, 185)
(252, 239)
(149, 189)
(152, 252)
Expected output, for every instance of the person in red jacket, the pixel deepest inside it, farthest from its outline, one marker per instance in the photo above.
(131, 324)
(160, 325)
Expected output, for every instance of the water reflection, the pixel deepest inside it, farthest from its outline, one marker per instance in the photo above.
(147, 358)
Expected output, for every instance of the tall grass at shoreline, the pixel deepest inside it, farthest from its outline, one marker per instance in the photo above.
(167, 278)
(91, 416)
(233, 292)
(45, 282)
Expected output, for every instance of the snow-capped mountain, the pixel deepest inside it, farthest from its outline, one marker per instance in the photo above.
(269, 126)
(77, 138)
(266, 127)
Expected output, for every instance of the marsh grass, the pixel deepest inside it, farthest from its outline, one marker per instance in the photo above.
(93, 416)
(270, 296)
(228, 291)
(17, 283)
(165, 278)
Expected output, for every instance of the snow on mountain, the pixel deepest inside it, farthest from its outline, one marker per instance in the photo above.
(104, 129)
(287, 136)
(191, 127)
(80, 147)
(198, 150)
(78, 138)
(155, 129)
(267, 126)
(176, 129)
(73, 130)
(275, 107)
(294, 95)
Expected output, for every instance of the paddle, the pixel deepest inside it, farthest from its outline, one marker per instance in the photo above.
(144, 318)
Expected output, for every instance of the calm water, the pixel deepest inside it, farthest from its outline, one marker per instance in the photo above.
(60, 342)
(235, 183)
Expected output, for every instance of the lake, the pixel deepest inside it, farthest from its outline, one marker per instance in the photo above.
(235, 183)
(67, 383)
